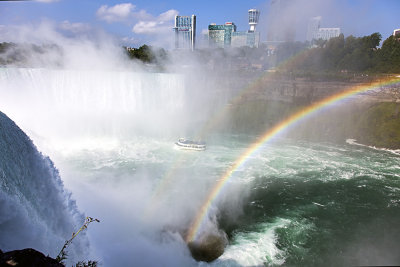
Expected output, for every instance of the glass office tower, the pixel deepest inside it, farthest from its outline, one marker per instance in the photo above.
(185, 32)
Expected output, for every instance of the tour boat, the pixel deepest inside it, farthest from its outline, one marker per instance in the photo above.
(190, 145)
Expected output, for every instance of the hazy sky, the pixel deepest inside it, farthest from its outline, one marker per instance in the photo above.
(150, 21)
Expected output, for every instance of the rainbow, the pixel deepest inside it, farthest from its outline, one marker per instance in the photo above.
(166, 180)
(211, 123)
(195, 227)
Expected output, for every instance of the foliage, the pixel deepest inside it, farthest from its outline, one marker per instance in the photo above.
(375, 124)
(86, 264)
(380, 125)
(351, 54)
(62, 255)
(389, 55)
(147, 54)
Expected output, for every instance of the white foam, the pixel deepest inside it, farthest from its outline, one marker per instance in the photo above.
(255, 248)
(354, 142)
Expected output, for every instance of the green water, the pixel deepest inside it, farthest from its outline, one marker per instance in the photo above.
(328, 205)
(293, 203)
(111, 136)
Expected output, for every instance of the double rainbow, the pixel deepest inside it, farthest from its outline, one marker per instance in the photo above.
(279, 128)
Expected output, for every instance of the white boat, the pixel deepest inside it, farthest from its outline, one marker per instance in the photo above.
(190, 145)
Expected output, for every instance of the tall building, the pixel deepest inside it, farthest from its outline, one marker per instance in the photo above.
(249, 38)
(221, 35)
(254, 15)
(185, 32)
(314, 32)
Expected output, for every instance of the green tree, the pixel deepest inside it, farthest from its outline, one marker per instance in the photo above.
(372, 41)
(147, 54)
(389, 55)
(333, 52)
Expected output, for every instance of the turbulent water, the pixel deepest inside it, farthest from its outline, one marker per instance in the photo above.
(292, 203)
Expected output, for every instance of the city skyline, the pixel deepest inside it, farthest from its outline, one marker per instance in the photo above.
(134, 23)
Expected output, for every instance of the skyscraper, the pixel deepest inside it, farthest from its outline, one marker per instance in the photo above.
(185, 32)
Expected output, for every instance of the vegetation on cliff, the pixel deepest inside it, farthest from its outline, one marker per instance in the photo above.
(379, 125)
(375, 124)
(63, 253)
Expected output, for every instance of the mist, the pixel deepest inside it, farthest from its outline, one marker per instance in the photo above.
(83, 103)
(109, 124)
(75, 46)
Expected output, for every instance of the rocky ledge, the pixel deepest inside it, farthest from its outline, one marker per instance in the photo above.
(27, 258)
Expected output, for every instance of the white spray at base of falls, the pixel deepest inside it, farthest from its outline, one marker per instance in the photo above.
(111, 135)
(73, 112)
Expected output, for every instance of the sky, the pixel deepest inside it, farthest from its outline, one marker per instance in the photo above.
(138, 22)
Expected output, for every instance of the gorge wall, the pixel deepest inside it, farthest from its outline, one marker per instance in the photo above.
(371, 117)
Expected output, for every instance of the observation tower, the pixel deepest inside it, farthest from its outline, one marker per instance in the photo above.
(254, 15)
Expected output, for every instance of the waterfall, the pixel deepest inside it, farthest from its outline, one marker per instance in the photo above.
(69, 102)
(35, 209)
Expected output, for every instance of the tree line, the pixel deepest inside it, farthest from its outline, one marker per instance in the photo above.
(339, 54)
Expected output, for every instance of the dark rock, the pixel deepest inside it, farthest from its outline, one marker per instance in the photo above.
(208, 247)
(27, 258)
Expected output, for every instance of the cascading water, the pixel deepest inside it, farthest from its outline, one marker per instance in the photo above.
(295, 203)
(68, 113)
(35, 209)
(75, 103)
